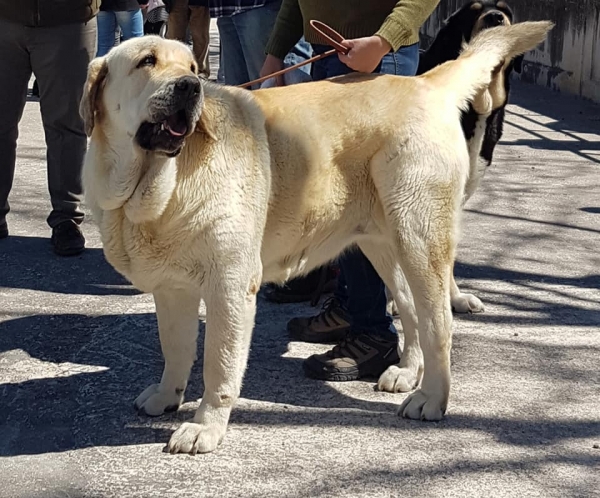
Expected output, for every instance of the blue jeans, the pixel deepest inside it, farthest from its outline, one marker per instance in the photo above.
(131, 23)
(360, 289)
(244, 37)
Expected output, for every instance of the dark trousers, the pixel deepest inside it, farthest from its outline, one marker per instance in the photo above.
(58, 57)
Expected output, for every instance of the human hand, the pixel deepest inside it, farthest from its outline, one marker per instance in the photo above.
(365, 53)
(272, 65)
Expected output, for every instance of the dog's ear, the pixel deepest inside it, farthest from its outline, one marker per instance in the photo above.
(207, 123)
(88, 107)
(503, 6)
(459, 25)
(518, 64)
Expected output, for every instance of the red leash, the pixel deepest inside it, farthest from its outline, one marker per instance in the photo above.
(330, 35)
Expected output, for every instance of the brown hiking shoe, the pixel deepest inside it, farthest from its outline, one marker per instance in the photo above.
(329, 326)
(356, 357)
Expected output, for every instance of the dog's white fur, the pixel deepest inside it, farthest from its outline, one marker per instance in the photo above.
(272, 184)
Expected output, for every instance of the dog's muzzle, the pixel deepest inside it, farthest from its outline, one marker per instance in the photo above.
(493, 19)
(174, 111)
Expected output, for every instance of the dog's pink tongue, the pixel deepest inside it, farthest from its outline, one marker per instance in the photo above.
(176, 127)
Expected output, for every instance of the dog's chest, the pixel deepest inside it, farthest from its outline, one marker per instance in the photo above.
(146, 257)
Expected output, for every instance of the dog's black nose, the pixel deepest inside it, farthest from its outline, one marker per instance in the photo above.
(187, 85)
(494, 19)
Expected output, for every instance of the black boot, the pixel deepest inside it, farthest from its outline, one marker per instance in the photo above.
(67, 239)
(308, 288)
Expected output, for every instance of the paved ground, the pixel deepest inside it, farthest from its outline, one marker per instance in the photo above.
(77, 344)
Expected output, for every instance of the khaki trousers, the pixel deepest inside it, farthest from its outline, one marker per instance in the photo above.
(198, 19)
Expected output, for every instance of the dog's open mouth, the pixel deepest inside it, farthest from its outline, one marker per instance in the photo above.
(176, 124)
(173, 111)
(166, 135)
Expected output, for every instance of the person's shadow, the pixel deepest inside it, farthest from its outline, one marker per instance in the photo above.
(28, 263)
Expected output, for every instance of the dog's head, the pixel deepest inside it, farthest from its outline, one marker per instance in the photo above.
(489, 14)
(146, 89)
(477, 15)
(466, 23)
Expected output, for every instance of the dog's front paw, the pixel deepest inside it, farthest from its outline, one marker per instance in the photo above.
(397, 380)
(467, 303)
(196, 438)
(155, 402)
(420, 406)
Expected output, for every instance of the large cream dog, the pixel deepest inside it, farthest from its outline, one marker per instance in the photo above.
(202, 191)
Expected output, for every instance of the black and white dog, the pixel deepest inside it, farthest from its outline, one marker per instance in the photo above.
(482, 123)
(482, 130)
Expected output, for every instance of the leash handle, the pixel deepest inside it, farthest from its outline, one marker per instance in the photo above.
(330, 35)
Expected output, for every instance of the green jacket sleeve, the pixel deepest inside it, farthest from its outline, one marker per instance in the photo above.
(288, 29)
(405, 21)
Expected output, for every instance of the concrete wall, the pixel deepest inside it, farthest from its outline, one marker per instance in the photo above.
(570, 60)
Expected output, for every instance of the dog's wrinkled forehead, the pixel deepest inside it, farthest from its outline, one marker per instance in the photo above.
(150, 53)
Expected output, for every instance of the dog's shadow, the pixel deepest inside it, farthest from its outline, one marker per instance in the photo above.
(72, 380)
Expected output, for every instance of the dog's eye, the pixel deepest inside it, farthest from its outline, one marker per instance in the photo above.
(149, 60)
(193, 68)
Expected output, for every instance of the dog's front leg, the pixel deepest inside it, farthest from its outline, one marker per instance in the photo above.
(177, 314)
(231, 307)
(463, 303)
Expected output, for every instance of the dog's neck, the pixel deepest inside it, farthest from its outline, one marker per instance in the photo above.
(141, 182)
(154, 189)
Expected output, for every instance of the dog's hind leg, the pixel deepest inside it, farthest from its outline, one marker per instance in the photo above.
(420, 205)
(231, 306)
(406, 375)
(177, 314)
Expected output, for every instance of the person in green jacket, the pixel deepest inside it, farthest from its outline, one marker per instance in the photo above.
(56, 41)
(383, 37)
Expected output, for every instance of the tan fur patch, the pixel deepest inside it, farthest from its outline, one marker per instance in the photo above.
(254, 287)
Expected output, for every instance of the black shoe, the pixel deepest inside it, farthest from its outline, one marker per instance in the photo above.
(3, 230)
(356, 357)
(321, 281)
(67, 239)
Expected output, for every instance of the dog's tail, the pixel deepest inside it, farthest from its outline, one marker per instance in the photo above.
(484, 56)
